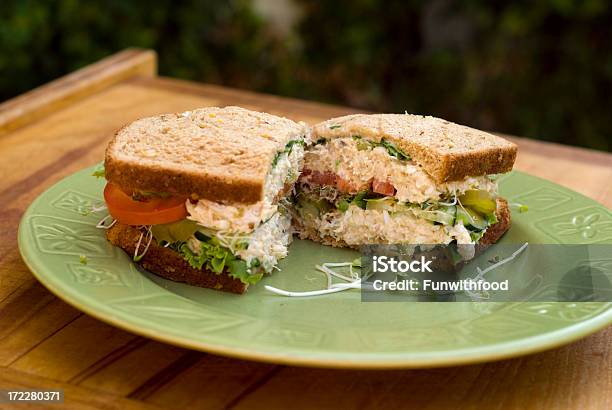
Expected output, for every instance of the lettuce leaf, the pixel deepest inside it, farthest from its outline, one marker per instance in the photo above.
(99, 172)
(217, 258)
(238, 270)
(359, 199)
(287, 150)
(392, 150)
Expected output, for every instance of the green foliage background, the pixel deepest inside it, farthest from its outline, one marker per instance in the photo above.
(539, 69)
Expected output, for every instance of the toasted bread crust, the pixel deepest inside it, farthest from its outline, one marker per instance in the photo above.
(446, 151)
(491, 236)
(496, 231)
(169, 264)
(134, 176)
(210, 153)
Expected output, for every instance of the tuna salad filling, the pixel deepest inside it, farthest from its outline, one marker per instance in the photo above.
(245, 240)
(245, 218)
(354, 164)
(356, 192)
(245, 256)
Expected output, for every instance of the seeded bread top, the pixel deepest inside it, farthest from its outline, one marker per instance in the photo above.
(446, 151)
(221, 154)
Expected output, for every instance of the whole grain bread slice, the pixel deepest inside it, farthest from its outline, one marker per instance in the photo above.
(168, 264)
(446, 151)
(214, 153)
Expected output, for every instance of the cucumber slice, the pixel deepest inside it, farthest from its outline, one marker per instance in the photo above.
(479, 200)
(380, 204)
(342, 205)
(438, 216)
(451, 210)
(444, 215)
(200, 236)
(172, 232)
(322, 205)
(462, 217)
(406, 207)
(359, 199)
(469, 217)
(313, 207)
(309, 209)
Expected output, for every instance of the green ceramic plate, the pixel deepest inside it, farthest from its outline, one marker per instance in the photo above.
(334, 330)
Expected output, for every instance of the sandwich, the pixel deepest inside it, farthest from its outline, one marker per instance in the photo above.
(201, 197)
(402, 179)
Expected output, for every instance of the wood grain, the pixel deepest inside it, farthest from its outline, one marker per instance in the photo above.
(64, 126)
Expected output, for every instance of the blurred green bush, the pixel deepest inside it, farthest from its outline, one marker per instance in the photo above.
(539, 69)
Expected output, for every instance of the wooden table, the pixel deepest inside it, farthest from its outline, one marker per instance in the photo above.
(64, 126)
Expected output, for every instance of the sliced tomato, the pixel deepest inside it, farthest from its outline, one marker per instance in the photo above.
(153, 211)
(345, 186)
(319, 178)
(383, 187)
(328, 178)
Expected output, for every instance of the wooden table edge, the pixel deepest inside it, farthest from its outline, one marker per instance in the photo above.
(66, 90)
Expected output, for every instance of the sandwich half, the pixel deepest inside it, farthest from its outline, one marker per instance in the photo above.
(200, 197)
(400, 178)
